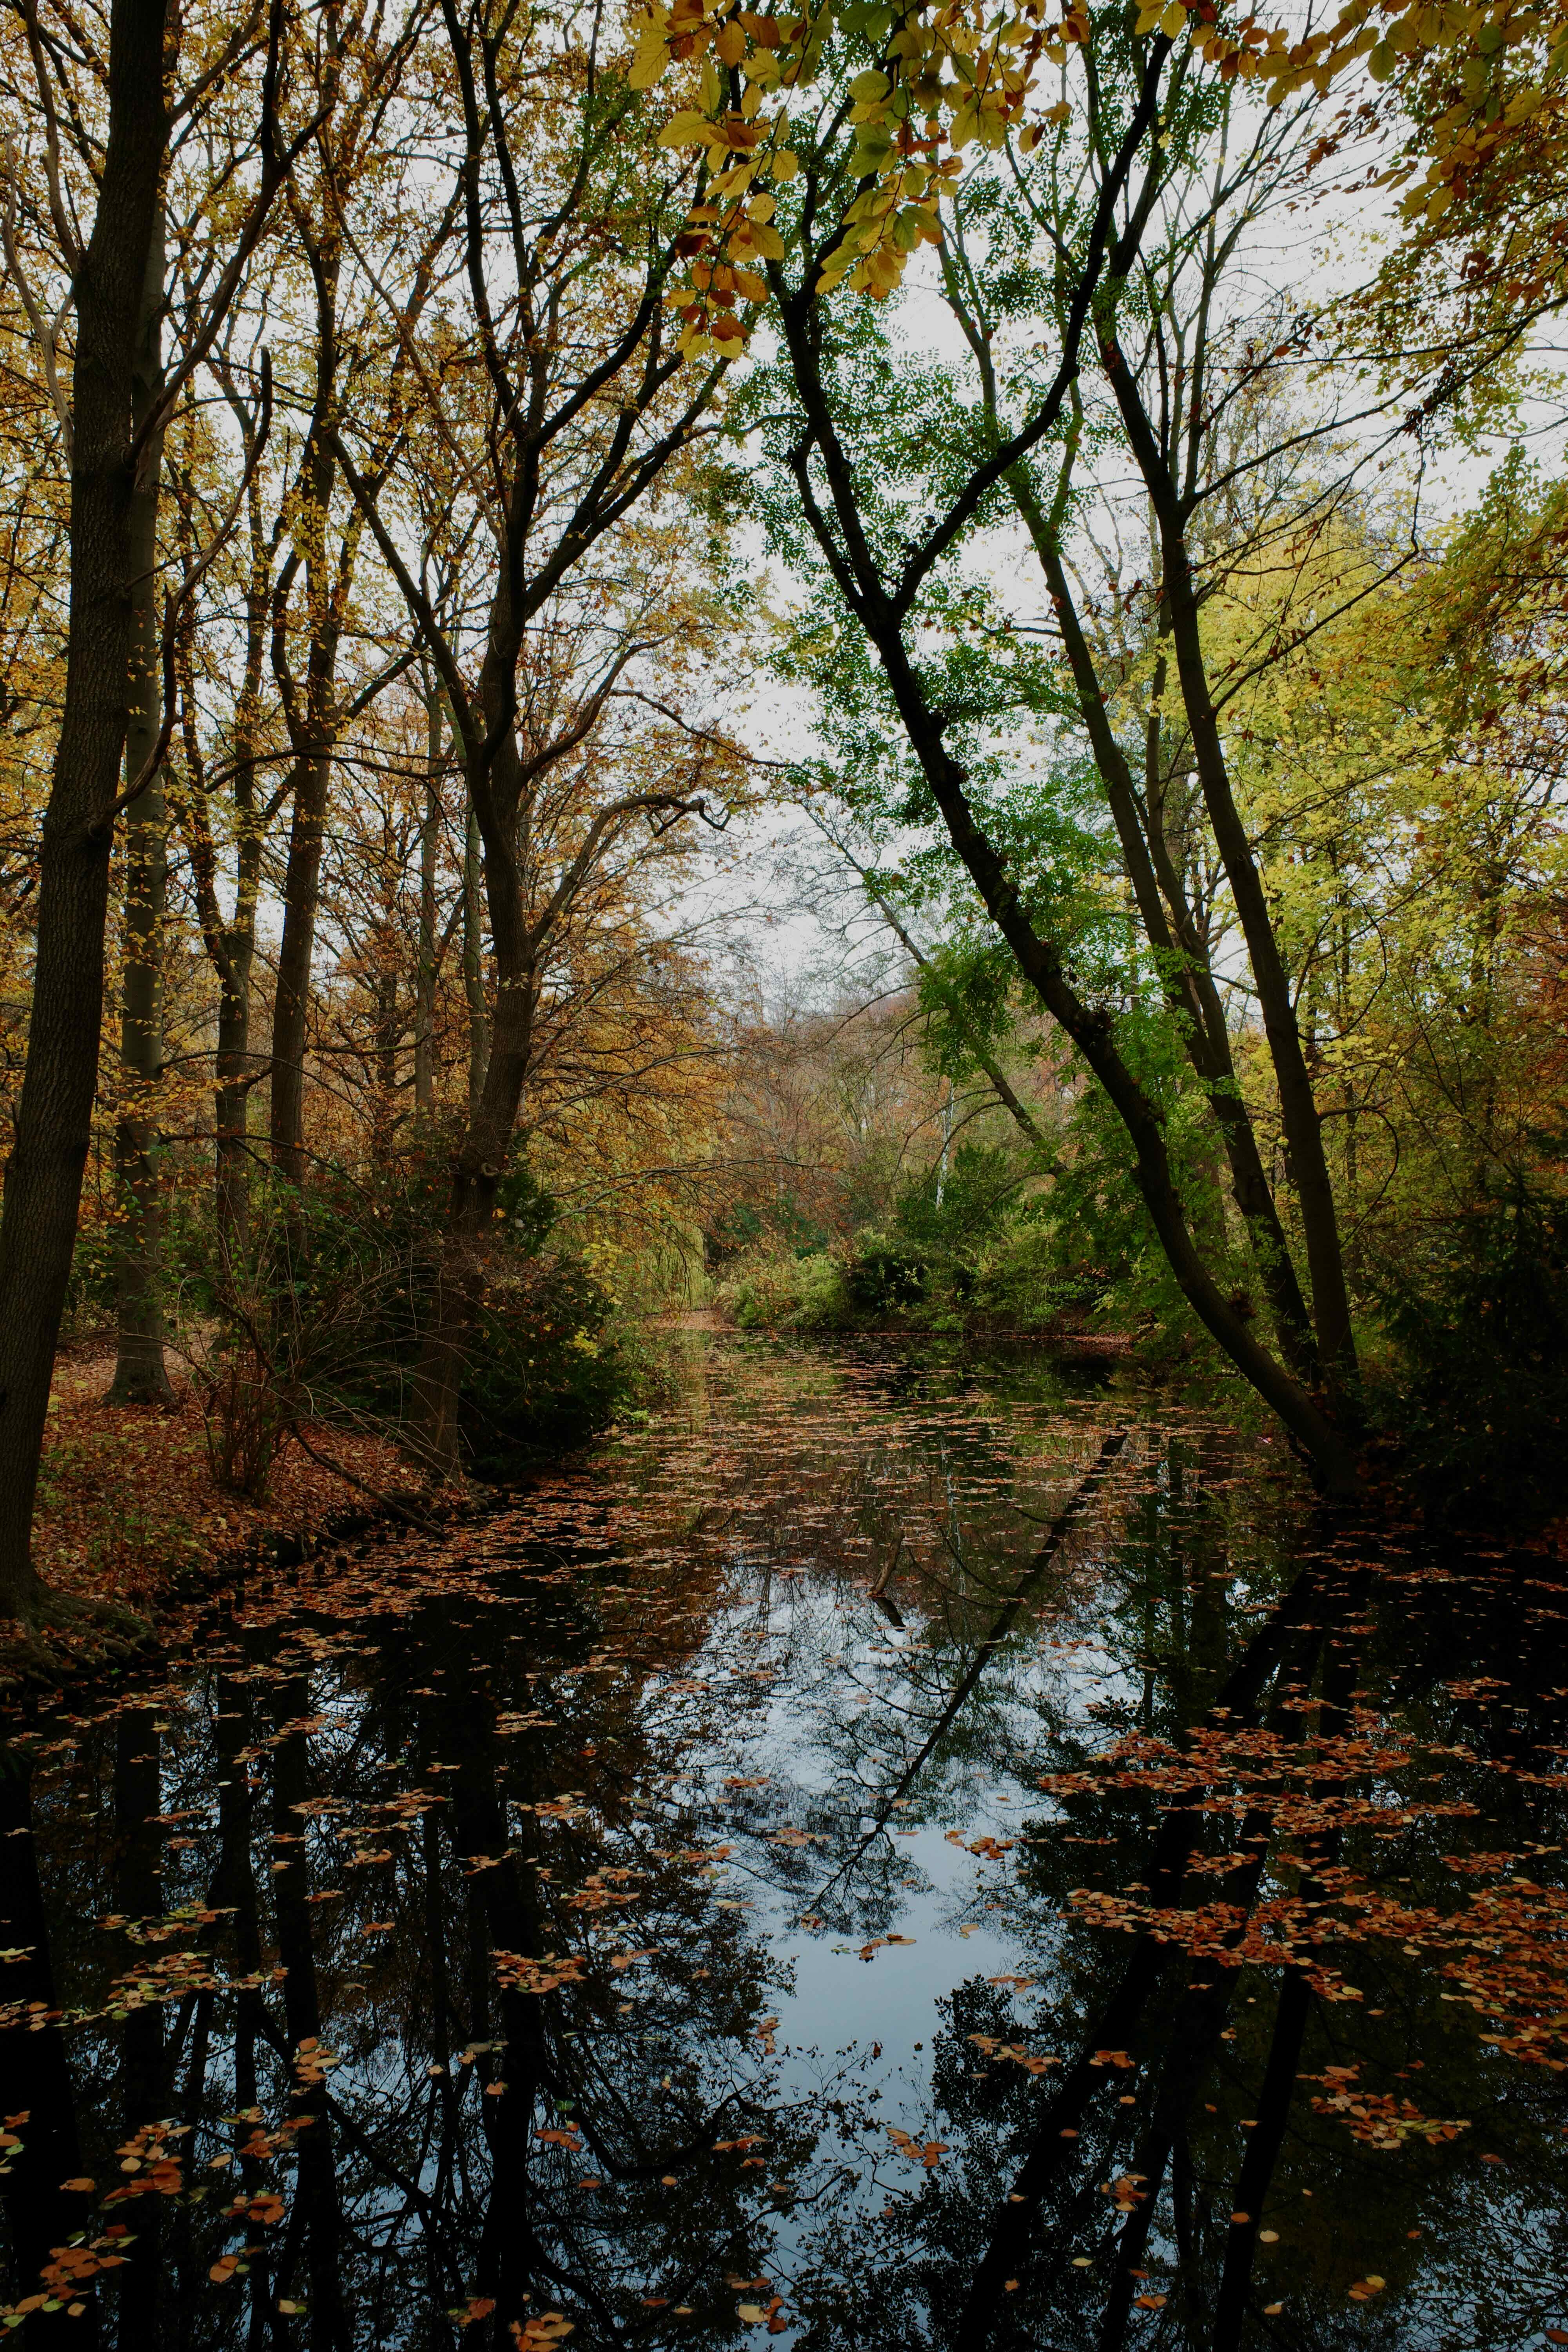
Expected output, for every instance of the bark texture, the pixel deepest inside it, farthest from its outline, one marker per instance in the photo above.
(141, 1375)
(311, 713)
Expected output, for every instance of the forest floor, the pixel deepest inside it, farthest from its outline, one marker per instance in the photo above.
(128, 1506)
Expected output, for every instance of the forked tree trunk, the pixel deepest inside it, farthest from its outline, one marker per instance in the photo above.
(1091, 1027)
(54, 1116)
(1186, 972)
(141, 1376)
(1336, 1353)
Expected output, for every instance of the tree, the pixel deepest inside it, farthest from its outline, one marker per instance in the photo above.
(578, 409)
(882, 569)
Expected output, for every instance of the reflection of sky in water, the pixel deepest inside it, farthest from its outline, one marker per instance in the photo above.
(842, 1547)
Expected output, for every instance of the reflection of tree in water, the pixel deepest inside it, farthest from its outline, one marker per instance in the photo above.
(452, 1895)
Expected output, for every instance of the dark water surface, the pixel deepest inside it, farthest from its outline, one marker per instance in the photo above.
(895, 1854)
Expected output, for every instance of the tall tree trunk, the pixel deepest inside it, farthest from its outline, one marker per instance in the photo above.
(312, 729)
(231, 944)
(231, 950)
(499, 797)
(425, 978)
(1091, 1026)
(141, 1376)
(476, 1173)
(296, 953)
(473, 965)
(233, 1075)
(54, 1116)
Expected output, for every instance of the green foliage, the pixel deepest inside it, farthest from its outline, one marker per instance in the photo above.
(742, 1230)
(552, 1364)
(525, 1210)
(791, 1294)
(886, 1275)
(1479, 1317)
(951, 1212)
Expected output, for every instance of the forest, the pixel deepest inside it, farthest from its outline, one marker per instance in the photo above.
(782, 864)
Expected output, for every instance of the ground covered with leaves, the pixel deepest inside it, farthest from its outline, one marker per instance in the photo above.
(128, 1508)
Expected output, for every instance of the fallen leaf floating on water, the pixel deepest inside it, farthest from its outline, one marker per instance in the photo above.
(1014, 2051)
(1378, 2119)
(927, 2152)
(519, 1973)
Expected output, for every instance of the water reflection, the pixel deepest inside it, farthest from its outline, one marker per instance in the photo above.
(895, 1855)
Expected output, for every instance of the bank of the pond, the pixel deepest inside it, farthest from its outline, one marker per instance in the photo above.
(130, 1510)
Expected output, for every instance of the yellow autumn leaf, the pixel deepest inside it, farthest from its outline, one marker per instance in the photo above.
(687, 129)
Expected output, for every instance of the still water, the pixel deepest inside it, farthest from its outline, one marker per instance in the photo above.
(897, 1853)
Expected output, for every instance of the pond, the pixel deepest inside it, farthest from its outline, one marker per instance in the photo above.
(901, 1851)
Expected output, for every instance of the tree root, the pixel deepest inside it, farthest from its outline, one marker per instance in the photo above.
(58, 1633)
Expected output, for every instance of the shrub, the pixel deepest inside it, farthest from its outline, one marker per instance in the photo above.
(1479, 1314)
(885, 1275)
(791, 1294)
(552, 1362)
(1020, 1279)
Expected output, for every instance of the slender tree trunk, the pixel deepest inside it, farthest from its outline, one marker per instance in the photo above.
(54, 1116)
(473, 965)
(296, 953)
(141, 1376)
(233, 1075)
(312, 729)
(231, 950)
(425, 978)
(231, 945)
